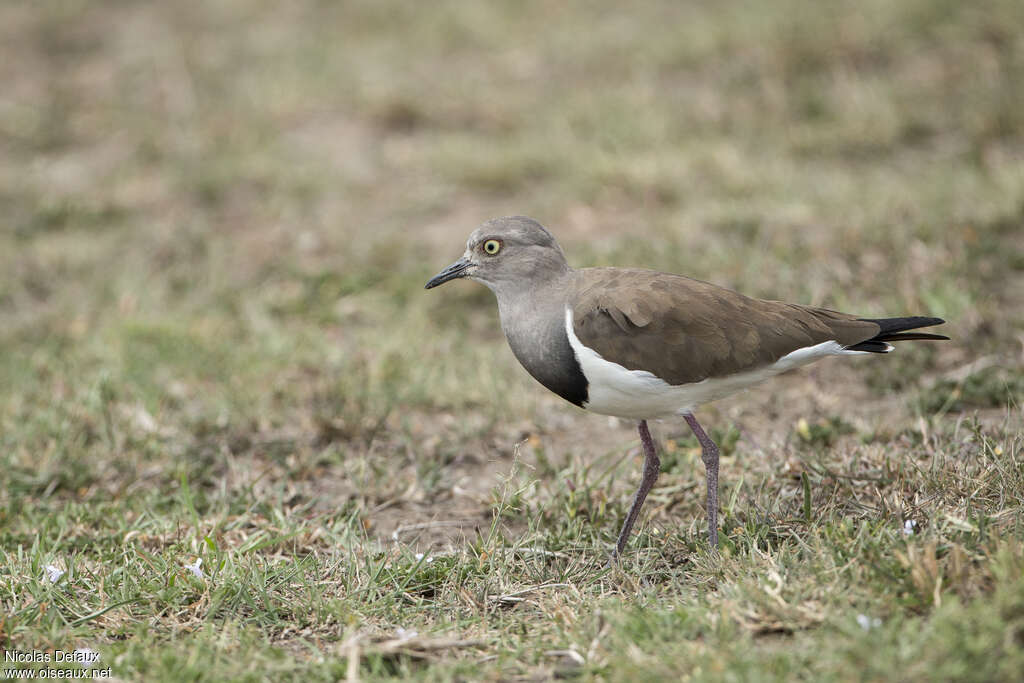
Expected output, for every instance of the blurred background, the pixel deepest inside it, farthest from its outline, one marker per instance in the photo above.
(216, 220)
(217, 217)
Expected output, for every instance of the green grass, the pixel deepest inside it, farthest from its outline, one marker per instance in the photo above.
(215, 346)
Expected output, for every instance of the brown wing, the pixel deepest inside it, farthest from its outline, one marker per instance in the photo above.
(685, 330)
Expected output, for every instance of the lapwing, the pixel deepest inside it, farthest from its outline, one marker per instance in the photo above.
(645, 345)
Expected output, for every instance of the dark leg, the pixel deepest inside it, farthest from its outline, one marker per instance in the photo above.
(652, 466)
(710, 458)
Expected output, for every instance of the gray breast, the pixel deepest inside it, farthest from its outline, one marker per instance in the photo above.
(538, 339)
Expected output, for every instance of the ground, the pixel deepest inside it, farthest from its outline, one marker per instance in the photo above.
(238, 441)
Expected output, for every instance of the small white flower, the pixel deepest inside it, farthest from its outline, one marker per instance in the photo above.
(908, 527)
(87, 655)
(53, 573)
(867, 623)
(403, 634)
(196, 568)
(419, 556)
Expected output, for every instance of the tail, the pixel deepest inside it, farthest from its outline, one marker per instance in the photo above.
(892, 330)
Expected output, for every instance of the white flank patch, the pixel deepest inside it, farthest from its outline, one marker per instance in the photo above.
(640, 395)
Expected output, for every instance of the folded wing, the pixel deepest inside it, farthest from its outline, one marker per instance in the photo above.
(686, 330)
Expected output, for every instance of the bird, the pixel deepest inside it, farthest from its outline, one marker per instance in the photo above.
(646, 345)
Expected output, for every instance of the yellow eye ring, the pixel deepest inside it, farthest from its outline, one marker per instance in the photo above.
(492, 247)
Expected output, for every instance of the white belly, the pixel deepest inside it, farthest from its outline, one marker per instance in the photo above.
(639, 395)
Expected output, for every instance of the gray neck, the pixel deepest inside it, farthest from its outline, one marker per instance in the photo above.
(533, 319)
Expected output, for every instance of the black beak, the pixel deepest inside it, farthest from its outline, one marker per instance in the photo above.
(455, 270)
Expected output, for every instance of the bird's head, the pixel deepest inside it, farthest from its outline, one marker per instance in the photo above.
(514, 251)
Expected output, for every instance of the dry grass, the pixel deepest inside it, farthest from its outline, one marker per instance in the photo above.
(214, 343)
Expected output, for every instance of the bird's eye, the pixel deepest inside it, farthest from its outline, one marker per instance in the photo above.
(492, 247)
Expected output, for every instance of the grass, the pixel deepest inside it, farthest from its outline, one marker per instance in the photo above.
(214, 343)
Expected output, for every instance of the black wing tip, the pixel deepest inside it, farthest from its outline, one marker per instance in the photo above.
(895, 329)
(902, 324)
(908, 336)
